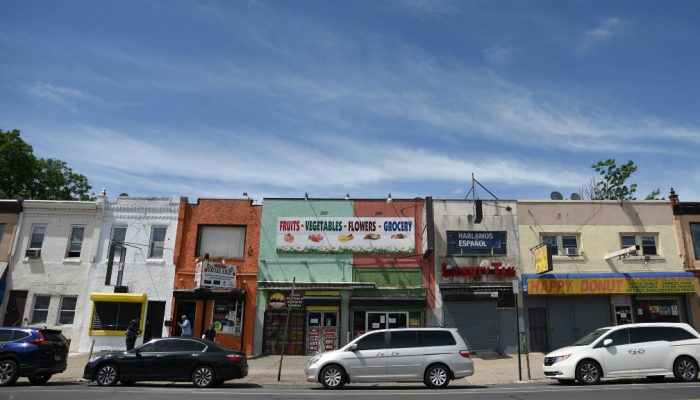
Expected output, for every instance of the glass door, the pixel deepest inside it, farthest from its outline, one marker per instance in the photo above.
(386, 320)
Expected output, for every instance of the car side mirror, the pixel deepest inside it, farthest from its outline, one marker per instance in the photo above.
(607, 342)
(352, 347)
(138, 353)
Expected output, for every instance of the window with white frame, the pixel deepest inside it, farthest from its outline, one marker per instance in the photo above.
(695, 235)
(561, 244)
(76, 241)
(66, 312)
(118, 236)
(157, 242)
(647, 243)
(221, 241)
(36, 241)
(40, 309)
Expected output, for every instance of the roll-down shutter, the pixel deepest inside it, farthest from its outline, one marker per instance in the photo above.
(476, 321)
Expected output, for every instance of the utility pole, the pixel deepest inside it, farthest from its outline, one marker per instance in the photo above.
(286, 329)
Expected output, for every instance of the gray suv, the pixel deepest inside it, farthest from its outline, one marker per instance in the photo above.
(431, 355)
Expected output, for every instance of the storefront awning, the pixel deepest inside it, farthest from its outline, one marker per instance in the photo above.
(285, 285)
(119, 297)
(609, 283)
(208, 294)
(388, 302)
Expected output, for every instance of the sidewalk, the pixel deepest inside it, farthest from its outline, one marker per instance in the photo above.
(488, 370)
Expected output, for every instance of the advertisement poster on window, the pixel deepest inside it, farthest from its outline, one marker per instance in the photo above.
(313, 340)
(228, 317)
(329, 335)
(351, 235)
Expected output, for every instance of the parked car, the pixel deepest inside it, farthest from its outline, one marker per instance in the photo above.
(169, 359)
(653, 350)
(34, 353)
(431, 355)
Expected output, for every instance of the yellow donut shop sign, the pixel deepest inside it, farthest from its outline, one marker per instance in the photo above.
(639, 283)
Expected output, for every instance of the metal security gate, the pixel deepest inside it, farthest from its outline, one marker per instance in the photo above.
(476, 320)
(572, 317)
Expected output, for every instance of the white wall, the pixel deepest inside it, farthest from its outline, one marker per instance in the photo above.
(53, 274)
(153, 277)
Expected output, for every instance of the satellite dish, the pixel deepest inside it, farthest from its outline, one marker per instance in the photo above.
(556, 196)
(575, 196)
(124, 195)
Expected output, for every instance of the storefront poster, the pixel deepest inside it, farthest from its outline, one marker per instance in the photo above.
(215, 275)
(567, 286)
(352, 235)
(228, 317)
(468, 243)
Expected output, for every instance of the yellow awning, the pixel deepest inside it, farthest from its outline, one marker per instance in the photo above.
(119, 297)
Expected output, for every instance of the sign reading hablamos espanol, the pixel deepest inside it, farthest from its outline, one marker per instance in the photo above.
(353, 235)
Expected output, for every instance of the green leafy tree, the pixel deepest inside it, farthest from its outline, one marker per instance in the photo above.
(654, 195)
(613, 182)
(23, 174)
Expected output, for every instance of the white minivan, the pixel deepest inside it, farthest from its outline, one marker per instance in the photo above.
(431, 355)
(653, 350)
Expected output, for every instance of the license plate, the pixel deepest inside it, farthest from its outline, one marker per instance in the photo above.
(57, 358)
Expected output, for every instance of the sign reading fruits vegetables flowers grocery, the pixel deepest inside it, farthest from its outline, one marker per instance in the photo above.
(345, 235)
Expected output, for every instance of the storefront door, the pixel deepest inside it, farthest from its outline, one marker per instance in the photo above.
(386, 320)
(321, 331)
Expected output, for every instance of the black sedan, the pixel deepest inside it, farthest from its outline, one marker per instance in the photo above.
(169, 359)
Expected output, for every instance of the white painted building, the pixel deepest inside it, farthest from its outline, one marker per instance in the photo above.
(54, 248)
(147, 227)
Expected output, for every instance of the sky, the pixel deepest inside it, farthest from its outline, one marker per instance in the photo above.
(211, 99)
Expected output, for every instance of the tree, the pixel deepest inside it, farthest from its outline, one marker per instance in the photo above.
(23, 174)
(612, 185)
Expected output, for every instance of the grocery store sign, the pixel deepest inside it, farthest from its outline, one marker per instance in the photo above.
(564, 286)
(351, 235)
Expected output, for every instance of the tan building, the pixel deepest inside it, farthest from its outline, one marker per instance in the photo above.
(611, 263)
(9, 216)
(686, 216)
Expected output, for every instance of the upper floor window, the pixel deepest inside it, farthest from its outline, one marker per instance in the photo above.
(646, 243)
(221, 241)
(36, 240)
(157, 242)
(40, 310)
(66, 313)
(695, 234)
(76, 241)
(118, 236)
(2, 231)
(561, 245)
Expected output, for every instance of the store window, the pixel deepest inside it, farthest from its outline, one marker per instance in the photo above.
(562, 245)
(66, 313)
(658, 310)
(227, 317)
(274, 327)
(114, 316)
(695, 234)
(646, 243)
(221, 241)
(40, 310)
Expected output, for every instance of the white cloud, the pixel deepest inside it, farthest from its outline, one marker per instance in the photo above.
(608, 29)
(61, 95)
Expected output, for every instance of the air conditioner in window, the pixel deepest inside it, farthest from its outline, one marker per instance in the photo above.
(33, 253)
(571, 251)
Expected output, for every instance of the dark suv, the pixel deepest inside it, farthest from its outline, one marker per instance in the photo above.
(34, 353)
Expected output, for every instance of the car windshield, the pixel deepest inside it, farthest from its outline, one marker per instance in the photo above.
(591, 337)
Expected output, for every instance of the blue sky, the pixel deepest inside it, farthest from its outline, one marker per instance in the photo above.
(409, 97)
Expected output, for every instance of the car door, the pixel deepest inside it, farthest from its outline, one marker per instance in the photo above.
(653, 349)
(138, 364)
(404, 355)
(368, 362)
(181, 358)
(619, 357)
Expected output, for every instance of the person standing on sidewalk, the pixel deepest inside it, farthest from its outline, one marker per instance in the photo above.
(185, 327)
(210, 333)
(132, 332)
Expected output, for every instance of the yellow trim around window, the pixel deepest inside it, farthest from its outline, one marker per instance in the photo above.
(116, 298)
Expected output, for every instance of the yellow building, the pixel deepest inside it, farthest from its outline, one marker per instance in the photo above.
(686, 216)
(612, 263)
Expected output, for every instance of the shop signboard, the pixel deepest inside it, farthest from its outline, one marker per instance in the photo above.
(631, 285)
(543, 258)
(351, 235)
(215, 275)
(476, 243)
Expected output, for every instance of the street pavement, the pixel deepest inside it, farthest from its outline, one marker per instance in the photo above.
(489, 369)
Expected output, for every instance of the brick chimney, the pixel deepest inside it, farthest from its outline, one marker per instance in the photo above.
(673, 197)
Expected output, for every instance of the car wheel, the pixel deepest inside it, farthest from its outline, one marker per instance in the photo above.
(567, 381)
(685, 369)
(39, 379)
(588, 372)
(656, 378)
(333, 377)
(107, 375)
(203, 376)
(9, 372)
(437, 376)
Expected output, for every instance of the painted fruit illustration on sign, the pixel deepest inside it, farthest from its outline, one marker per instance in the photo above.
(315, 238)
(372, 236)
(346, 238)
(289, 237)
(398, 236)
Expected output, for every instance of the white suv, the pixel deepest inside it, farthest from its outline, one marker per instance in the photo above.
(432, 355)
(652, 350)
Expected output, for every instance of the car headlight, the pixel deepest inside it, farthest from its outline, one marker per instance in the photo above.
(561, 358)
(93, 359)
(314, 360)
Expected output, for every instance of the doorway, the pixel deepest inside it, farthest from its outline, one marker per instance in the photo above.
(15, 308)
(155, 315)
(537, 320)
(188, 308)
(321, 331)
(386, 320)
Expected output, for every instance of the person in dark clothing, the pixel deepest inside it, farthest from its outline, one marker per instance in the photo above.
(210, 333)
(132, 332)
